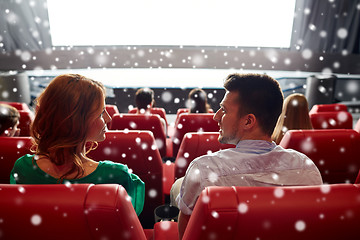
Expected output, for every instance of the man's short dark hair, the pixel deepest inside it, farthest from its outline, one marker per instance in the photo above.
(260, 95)
(144, 97)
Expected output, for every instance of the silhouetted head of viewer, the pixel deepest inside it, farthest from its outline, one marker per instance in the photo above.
(250, 108)
(144, 99)
(295, 115)
(9, 121)
(197, 101)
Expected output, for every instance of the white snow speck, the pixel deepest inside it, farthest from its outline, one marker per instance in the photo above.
(300, 225)
(243, 208)
(279, 193)
(36, 220)
(325, 188)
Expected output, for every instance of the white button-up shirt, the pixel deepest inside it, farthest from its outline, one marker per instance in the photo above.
(251, 163)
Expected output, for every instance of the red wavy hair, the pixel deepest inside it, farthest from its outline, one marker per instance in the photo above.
(64, 113)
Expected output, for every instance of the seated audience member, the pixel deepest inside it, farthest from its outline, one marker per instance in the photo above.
(70, 118)
(144, 99)
(295, 115)
(197, 101)
(247, 116)
(9, 121)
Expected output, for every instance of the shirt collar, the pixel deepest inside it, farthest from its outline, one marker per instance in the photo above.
(255, 146)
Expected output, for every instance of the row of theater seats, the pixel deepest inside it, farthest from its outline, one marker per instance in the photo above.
(168, 144)
(335, 152)
(323, 116)
(82, 212)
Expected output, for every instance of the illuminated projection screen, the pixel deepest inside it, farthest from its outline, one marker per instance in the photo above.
(249, 23)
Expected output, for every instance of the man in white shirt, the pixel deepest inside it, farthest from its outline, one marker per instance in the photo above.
(247, 117)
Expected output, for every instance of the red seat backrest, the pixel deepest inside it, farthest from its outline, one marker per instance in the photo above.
(307, 212)
(182, 110)
(78, 211)
(149, 122)
(331, 120)
(138, 151)
(111, 109)
(192, 122)
(334, 151)
(160, 111)
(17, 105)
(186, 110)
(26, 118)
(12, 148)
(195, 145)
(328, 108)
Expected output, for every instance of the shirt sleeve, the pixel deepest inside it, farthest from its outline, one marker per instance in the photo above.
(133, 185)
(14, 172)
(190, 189)
(138, 193)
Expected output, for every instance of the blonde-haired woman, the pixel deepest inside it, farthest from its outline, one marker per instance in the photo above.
(69, 114)
(295, 115)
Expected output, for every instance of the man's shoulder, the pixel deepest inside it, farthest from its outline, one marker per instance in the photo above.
(280, 150)
(223, 153)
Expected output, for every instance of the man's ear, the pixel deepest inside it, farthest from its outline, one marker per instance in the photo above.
(250, 121)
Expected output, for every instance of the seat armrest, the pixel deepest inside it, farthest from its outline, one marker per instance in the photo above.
(168, 176)
(169, 147)
(166, 230)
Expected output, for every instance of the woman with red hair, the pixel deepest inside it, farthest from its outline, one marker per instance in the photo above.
(70, 115)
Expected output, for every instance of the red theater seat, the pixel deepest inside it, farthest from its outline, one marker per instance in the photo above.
(186, 110)
(195, 145)
(57, 212)
(18, 105)
(335, 151)
(11, 148)
(160, 111)
(192, 122)
(150, 122)
(282, 213)
(328, 108)
(111, 109)
(26, 118)
(136, 149)
(331, 120)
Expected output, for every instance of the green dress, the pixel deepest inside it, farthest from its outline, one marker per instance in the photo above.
(25, 172)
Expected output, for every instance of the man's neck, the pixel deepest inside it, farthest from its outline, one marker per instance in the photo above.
(256, 135)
